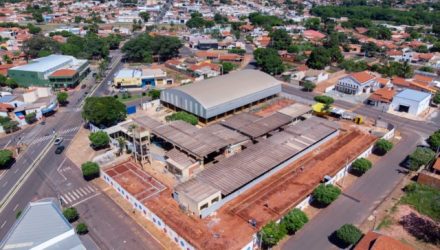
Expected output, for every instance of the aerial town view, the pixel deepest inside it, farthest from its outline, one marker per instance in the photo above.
(220, 124)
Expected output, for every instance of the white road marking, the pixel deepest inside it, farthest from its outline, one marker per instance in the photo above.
(58, 169)
(7, 144)
(4, 223)
(90, 188)
(82, 191)
(15, 208)
(75, 194)
(63, 199)
(86, 199)
(4, 184)
(16, 170)
(67, 197)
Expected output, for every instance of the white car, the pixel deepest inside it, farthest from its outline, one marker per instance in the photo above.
(58, 141)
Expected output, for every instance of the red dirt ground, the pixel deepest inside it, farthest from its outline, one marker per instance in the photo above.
(272, 108)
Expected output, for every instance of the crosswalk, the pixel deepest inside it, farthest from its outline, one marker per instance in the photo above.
(78, 194)
(48, 137)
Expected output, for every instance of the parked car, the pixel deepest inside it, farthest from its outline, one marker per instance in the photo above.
(58, 140)
(59, 150)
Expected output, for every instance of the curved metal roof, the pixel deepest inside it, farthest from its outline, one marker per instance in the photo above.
(235, 85)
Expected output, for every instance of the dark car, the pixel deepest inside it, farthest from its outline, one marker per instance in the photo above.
(59, 150)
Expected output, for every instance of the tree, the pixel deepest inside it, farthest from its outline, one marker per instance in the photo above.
(427, 69)
(220, 19)
(272, 233)
(31, 117)
(294, 220)
(312, 23)
(436, 98)
(349, 234)
(434, 140)
(121, 143)
(324, 99)
(38, 17)
(104, 111)
(319, 58)
(99, 139)
(183, 116)
(280, 39)
(143, 47)
(269, 61)
(308, 86)
(383, 146)
(361, 165)
(5, 157)
(421, 156)
(62, 98)
(71, 214)
(144, 15)
(10, 126)
(81, 229)
(90, 170)
(227, 67)
(154, 94)
(33, 46)
(325, 194)
(33, 29)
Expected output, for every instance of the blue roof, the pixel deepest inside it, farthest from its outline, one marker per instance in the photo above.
(44, 63)
(7, 98)
(413, 95)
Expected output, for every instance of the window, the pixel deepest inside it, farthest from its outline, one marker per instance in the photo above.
(204, 206)
(214, 200)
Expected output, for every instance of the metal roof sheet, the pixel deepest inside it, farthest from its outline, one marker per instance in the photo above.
(413, 95)
(235, 85)
(45, 63)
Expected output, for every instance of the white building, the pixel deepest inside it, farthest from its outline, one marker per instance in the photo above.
(357, 83)
(411, 101)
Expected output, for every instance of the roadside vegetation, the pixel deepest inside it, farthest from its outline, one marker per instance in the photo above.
(103, 111)
(99, 140)
(71, 214)
(361, 166)
(382, 146)
(273, 232)
(348, 235)
(6, 157)
(90, 170)
(324, 195)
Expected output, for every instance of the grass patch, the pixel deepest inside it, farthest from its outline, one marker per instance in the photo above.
(130, 98)
(425, 199)
(386, 222)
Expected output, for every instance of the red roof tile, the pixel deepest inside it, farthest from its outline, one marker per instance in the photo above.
(64, 72)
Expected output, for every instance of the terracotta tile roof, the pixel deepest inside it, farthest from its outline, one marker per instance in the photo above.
(313, 34)
(361, 30)
(362, 77)
(422, 86)
(437, 164)
(425, 56)
(376, 241)
(302, 67)
(64, 72)
(229, 57)
(394, 53)
(423, 78)
(4, 107)
(399, 81)
(383, 95)
(382, 81)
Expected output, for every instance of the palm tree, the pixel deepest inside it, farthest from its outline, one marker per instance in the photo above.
(121, 143)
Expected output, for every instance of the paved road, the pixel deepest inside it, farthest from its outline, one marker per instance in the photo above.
(359, 202)
(55, 176)
(365, 194)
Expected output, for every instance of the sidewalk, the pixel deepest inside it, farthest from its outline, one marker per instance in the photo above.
(158, 235)
(79, 150)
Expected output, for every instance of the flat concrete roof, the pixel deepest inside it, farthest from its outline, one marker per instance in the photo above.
(196, 190)
(295, 110)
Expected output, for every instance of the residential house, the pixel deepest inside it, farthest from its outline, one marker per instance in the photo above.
(357, 83)
(381, 98)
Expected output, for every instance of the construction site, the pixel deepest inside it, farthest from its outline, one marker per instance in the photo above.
(284, 154)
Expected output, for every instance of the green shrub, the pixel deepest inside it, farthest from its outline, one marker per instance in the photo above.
(272, 233)
(71, 214)
(295, 220)
(81, 228)
(183, 116)
(99, 139)
(383, 146)
(434, 140)
(361, 165)
(421, 156)
(349, 234)
(62, 98)
(5, 157)
(31, 118)
(90, 170)
(325, 194)
(324, 99)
